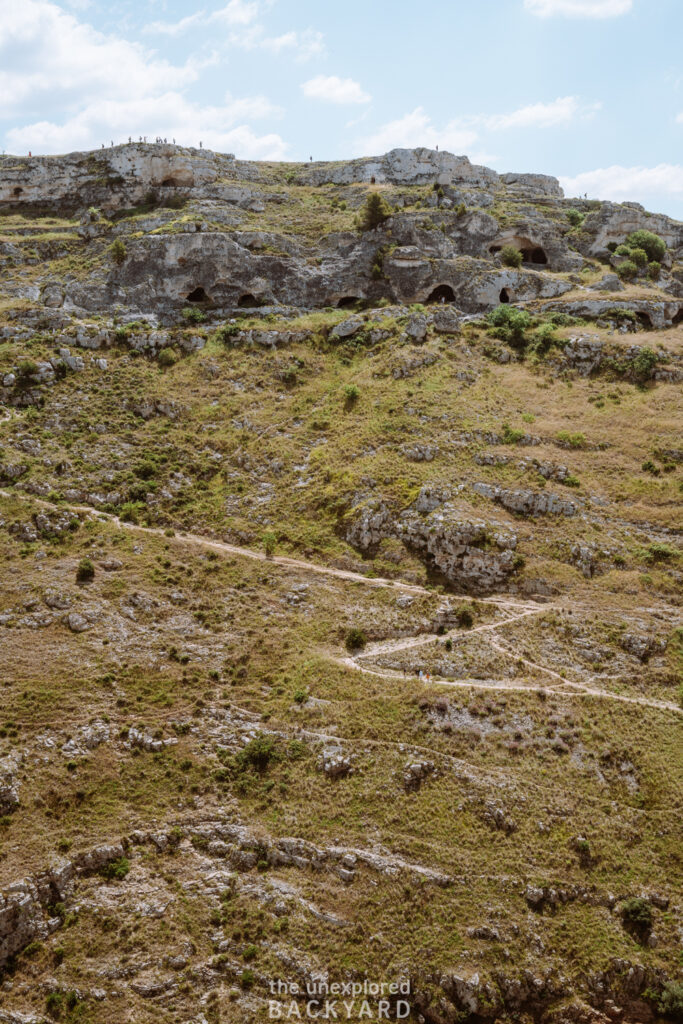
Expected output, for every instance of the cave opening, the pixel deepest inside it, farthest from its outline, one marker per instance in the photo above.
(444, 293)
(198, 295)
(248, 302)
(678, 319)
(504, 296)
(348, 301)
(17, 191)
(531, 252)
(644, 321)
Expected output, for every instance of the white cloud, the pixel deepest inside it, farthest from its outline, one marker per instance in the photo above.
(578, 8)
(170, 115)
(416, 129)
(627, 183)
(242, 18)
(542, 115)
(50, 59)
(237, 12)
(334, 90)
(71, 87)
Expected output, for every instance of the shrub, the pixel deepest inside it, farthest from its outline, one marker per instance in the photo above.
(511, 436)
(118, 251)
(643, 364)
(639, 257)
(374, 212)
(636, 913)
(227, 332)
(464, 615)
(654, 270)
(351, 393)
(509, 324)
(116, 870)
(627, 270)
(654, 246)
(574, 440)
(194, 315)
(355, 639)
(85, 571)
(167, 357)
(622, 250)
(248, 978)
(670, 1002)
(542, 338)
(26, 370)
(510, 257)
(258, 754)
(300, 696)
(575, 217)
(269, 541)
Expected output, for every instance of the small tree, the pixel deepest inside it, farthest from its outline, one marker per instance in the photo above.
(355, 639)
(627, 270)
(654, 270)
(85, 571)
(118, 251)
(639, 257)
(575, 217)
(509, 324)
(654, 246)
(510, 257)
(269, 543)
(373, 213)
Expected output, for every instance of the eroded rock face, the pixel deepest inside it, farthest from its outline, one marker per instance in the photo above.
(477, 555)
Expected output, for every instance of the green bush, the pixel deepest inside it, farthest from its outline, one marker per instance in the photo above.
(194, 315)
(654, 246)
(654, 270)
(510, 257)
(374, 212)
(258, 754)
(117, 251)
(464, 615)
(574, 440)
(355, 639)
(575, 217)
(670, 1002)
(351, 393)
(167, 357)
(639, 257)
(269, 541)
(627, 270)
(511, 436)
(85, 571)
(542, 338)
(636, 913)
(26, 370)
(116, 870)
(509, 324)
(643, 364)
(227, 332)
(300, 696)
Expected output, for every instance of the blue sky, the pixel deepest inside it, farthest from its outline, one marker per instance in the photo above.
(588, 90)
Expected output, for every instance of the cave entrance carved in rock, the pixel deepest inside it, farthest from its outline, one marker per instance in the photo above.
(531, 252)
(248, 302)
(444, 293)
(198, 295)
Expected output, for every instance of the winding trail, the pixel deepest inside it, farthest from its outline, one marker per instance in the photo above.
(564, 687)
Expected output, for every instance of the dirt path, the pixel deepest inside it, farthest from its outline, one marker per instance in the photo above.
(526, 610)
(282, 560)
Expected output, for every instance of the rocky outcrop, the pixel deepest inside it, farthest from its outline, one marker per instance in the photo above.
(477, 555)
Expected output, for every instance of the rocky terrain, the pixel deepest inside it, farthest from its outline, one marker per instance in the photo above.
(340, 621)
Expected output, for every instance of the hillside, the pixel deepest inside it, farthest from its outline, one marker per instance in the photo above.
(340, 620)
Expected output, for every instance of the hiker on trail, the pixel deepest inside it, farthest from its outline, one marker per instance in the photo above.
(200, 144)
